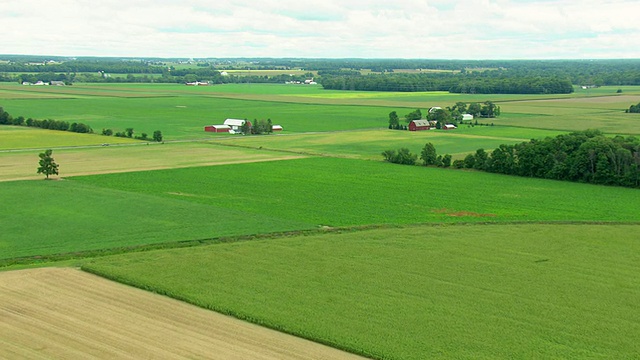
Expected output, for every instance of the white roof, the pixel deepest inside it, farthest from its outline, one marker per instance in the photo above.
(434, 108)
(421, 122)
(450, 126)
(221, 126)
(273, 127)
(234, 122)
(467, 117)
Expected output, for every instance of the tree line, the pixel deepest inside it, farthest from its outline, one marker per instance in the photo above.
(471, 83)
(585, 156)
(51, 124)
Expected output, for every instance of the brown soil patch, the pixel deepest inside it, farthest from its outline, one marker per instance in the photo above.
(61, 313)
(462, 213)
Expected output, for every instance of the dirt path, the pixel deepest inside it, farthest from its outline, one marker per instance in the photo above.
(63, 313)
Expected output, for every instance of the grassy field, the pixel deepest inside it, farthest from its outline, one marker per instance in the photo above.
(369, 144)
(344, 192)
(20, 137)
(136, 156)
(182, 112)
(464, 292)
(136, 208)
(51, 217)
(551, 277)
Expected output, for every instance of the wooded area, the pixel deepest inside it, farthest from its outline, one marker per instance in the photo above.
(456, 76)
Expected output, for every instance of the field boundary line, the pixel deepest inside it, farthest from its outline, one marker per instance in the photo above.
(77, 255)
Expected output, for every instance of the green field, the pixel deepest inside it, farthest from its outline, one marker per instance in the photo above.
(398, 262)
(463, 292)
(20, 137)
(182, 112)
(369, 144)
(51, 217)
(133, 208)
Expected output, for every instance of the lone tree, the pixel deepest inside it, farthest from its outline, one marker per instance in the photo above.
(47, 165)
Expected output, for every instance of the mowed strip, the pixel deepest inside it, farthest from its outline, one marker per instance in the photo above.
(64, 313)
(115, 159)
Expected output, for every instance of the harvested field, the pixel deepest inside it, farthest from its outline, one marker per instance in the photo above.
(62, 313)
(116, 159)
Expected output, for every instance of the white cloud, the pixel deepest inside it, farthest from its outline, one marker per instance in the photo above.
(467, 29)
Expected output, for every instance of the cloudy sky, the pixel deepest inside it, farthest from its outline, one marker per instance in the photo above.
(434, 29)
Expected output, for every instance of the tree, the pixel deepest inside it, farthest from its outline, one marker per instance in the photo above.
(402, 156)
(428, 154)
(474, 109)
(394, 121)
(490, 110)
(129, 132)
(446, 160)
(157, 136)
(47, 165)
(414, 115)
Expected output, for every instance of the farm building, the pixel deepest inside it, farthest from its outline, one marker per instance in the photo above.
(434, 108)
(416, 125)
(217, 128)
(236, 124)
(467, 117)
(276, 128)
(449, 127)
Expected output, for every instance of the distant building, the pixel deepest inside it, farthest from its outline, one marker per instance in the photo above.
(467, 117)
(236, 124)
(417, 125)
(217, 128)
(434, 108)
(276, 128)
(449, 127)
(57, 83)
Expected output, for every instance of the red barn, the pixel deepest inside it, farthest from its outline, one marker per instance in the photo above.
(276, 128)
(217, 128)
(416, 125)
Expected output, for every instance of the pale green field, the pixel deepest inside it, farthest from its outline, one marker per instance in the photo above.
(20, 137)
(369, 144)
(137, 156)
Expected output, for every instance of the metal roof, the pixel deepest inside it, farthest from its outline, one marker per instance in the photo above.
(234, 122)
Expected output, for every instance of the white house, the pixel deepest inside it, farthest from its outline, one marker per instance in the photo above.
(235, 124)
(467, 117)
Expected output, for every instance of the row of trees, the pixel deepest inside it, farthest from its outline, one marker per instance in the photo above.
(128, 133)
(535, 75)
(50, 124)
(586, 156)
(428, 155)
(257, 127)
(472, 83)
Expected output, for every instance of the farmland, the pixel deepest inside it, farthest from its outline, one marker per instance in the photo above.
(310, 233)
(476, 291)
(131, 323)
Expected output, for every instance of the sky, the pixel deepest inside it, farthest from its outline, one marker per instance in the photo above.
(429, 29)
